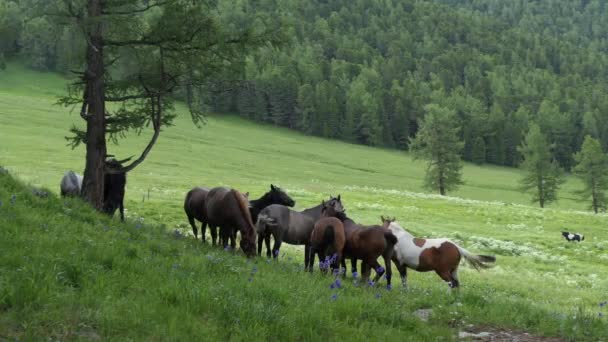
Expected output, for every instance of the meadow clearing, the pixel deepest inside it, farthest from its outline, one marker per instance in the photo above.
(68, 273)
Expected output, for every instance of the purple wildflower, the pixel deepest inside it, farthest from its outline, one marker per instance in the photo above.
(254, 270)
(378, 295)
(380, 269)
(602, 304)
(0, 203)
(175, 266)
(276, 253)
(355, 274)
(338, 283)
(250, 279)
(336, 271)
(332, 286)
(389, 287)
(370, 282)
(13, 198)
(334, 297)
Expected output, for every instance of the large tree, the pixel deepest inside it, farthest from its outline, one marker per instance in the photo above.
(543, 174)
(139, 55)
(592, 168)
(438, 142)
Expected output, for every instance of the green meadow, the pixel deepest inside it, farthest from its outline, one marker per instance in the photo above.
(67, 273)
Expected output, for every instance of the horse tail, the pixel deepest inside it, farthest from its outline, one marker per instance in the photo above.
(477, 261)
(264, 221)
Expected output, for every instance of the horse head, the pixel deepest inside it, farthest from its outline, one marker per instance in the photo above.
(386, 221)
(278, 196)
(333, 207)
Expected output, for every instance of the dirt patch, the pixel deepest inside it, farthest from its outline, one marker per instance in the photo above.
(472, 333)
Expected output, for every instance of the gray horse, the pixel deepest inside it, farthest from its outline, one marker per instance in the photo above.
(293, 227)
(71, 183)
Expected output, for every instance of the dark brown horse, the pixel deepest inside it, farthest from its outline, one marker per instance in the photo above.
(439, 255)
(227, 208)
(327, 239)
(368, 243)
(194, 206)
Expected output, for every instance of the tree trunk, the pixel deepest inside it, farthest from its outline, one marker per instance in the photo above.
(93, 182)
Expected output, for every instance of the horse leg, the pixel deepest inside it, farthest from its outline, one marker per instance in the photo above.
(365, 271)
(376, 266)
(446, 275)
(311, 261)
(267, 242)
(260, 239)
(403, 273)
(353, 266)
(306, 256)
(276, 246)
(193, 225)
(232, 233)
(122, 211)
(203, 231)
(389, 268)
(455, 282)
(213, 230)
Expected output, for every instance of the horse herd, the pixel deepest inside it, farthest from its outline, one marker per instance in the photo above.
(324, 230)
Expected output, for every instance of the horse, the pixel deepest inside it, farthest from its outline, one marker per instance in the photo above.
(227, 208)
(439, 255)
(274, 196)
(327, 238)
(368, 243)
(194, 206)
(293, 227)
(71, 184)
(114, 189)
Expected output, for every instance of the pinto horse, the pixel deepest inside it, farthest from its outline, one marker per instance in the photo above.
(368, 243)
(293, 227)
(439, 255)
(227, 208)
(327, 238)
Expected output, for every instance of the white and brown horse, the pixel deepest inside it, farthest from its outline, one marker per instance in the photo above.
(423, 255)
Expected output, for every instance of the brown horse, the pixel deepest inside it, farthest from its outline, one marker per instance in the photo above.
(194, 206)
(368, 243)
(227, 208)
(423, 255)
(327, 238)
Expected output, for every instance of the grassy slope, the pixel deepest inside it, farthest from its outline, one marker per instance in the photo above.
(542, 284)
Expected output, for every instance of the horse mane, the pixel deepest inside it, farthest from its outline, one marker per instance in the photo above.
(244, 208)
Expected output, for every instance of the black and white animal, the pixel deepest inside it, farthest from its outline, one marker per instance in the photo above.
(573, 236)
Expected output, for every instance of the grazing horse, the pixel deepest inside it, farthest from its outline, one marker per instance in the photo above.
(292, 226)
(327, 238)
(71, 184)
(439, 255)
(227, 208)
(194, 206)
(368, 243)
